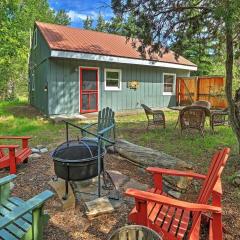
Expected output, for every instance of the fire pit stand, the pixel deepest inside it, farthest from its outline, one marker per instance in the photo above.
(83, 159)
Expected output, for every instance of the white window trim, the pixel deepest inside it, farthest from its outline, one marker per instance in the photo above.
(174, 84)
(35, 40)
(105, 79)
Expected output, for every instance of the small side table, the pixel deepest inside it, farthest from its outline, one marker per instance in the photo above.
(179, 109)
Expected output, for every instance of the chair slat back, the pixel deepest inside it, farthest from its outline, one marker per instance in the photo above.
(202, 103)
(1, 153)
(105, 120)
(214, 173)
(147, 109)
(192, 117)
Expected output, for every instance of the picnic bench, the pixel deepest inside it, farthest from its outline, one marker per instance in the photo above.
(15, 155)
(176, 219)
(21, 219)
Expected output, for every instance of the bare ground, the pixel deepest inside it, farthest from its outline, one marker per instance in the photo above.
(72, 224)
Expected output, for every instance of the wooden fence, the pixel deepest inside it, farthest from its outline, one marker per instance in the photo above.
(209, 88)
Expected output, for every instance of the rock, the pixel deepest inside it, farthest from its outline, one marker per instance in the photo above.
(40, 147)
(135, 184)
(236, 181)
(59, 187)
(111, 150)
(118, 178)
(11, 185)
(147, 157)
(34, 156)
(174, 194)
(98, 206)
(43, 150)
(35, 150)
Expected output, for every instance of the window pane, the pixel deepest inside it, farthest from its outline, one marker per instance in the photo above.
(168, 79)
(112, 83)
(169, 83)
(85, 102)
(93, 101)
(114, 75)
(89, 79)
(168, 88)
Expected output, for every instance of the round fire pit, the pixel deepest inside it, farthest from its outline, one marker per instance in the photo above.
(77, 160)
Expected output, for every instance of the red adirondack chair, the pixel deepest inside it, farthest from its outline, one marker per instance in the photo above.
(14, 155)
(177, 219)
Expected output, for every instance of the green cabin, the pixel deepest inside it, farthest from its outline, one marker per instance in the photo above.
(76, 71)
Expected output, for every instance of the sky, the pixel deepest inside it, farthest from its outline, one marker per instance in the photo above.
(78, 10)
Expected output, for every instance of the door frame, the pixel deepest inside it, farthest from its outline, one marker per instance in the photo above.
(80, 87)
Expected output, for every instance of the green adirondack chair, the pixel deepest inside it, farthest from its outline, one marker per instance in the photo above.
(105, 126)
(21, 219)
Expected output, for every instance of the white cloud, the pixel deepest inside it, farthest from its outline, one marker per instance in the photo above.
(75, 16)
(78, 17)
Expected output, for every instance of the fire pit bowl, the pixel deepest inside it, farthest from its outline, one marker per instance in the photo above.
(77, 160)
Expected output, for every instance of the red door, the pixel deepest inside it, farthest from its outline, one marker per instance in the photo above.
(88, 90)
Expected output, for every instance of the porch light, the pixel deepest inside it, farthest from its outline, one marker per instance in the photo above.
(46, 88)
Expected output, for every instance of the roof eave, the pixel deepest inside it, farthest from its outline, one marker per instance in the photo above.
(115, 59)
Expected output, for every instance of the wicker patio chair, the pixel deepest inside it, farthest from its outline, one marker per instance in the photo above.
(192, 117)
(204, 104)
(219, 118)
(154, 117)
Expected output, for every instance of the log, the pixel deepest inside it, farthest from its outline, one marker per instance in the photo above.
(147, 157)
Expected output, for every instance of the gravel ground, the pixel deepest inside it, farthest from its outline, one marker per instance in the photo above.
(72, 224)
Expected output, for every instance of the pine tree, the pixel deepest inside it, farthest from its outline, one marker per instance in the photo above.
(101, 25)
(88, 23)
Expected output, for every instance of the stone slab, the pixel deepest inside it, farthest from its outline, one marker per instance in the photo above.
(34, 156)
(98, 206)
(43, 150)
(118, 178)
(135, 184)
(35, 150)
(59, 187)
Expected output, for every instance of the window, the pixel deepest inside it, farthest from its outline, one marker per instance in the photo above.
(35, 38)
(113, 79)
(169, 80)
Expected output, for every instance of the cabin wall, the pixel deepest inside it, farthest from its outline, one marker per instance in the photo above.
(63, 86)
(38, 73)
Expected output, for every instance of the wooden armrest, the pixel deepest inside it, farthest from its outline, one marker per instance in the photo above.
(175, 172)
(7, 179)
(89, 125)
(106, 129)
(15, 137)
(9, 146)
(156, 198)
(29, 205)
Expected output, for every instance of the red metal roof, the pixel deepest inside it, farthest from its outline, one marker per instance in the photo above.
(66, 38)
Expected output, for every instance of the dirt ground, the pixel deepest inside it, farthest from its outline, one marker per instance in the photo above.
(72, 224)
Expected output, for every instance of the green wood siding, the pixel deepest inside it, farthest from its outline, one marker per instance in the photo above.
(63, 86)
(61, 76)
(39, 67)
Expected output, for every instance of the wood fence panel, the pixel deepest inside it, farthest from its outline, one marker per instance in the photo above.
(202, 88)
(186, 90)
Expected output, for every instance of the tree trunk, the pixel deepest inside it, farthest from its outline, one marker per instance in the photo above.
(233, 108)
(147, 157)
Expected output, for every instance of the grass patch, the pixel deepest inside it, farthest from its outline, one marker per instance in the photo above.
(18, 118)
